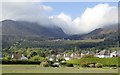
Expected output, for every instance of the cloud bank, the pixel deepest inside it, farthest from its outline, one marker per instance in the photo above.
(96, 17)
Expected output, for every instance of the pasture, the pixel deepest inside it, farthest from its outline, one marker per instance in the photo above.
(39, 69)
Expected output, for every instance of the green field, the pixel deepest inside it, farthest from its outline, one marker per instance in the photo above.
(38, 69)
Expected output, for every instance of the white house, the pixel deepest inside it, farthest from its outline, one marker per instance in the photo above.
(67, 58)
(52, 58)
(103, 54)
(113, 54)
(118, 53)
(23, 57)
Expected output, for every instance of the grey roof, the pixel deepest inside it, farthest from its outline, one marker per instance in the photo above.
(104, 52)
(118, 52)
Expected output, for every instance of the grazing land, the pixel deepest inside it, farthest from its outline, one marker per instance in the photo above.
(38, 69)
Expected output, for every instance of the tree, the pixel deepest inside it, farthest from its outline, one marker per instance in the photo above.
(38, 58)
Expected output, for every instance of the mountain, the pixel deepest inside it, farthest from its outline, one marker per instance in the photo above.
(28, 29)
(13, 31)
(108, 32)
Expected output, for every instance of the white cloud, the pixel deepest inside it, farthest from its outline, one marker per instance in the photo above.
(47, 8)
(99, 16)
(96, 17)
(22, 0)
(65, 22)
(33, 12)
(92, 18)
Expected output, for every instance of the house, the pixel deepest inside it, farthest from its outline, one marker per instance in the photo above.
(66, 56)
(90, 53)
(115, 53)
(118, 53)
(1, 56)
(59, 56)
(75, 55)
(83, 53)
(52, 58)
(103, 54)
(23, 57)
(16, 55)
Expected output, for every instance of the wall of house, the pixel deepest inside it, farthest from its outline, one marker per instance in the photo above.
(103, 56)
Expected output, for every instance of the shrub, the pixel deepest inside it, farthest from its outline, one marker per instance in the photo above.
(45, 64)
(20, 62)
(37, 58)
(113, 66)
(87, 56)
(69, 65)
(84, 64)
(106, 62)
(98, 65)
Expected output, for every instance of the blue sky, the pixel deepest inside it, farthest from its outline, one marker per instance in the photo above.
(74, 9)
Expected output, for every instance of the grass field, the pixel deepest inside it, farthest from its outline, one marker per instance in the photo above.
(38, 69)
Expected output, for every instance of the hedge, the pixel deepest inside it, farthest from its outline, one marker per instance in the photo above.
(20, 62)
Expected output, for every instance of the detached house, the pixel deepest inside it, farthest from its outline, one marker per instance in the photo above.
(103, 54)
(16, 56)
(115, 54)
(23, 57)
(19, 56)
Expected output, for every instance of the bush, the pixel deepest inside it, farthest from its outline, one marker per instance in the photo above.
(112, 65)
(37, 58)
(45, 64)
(87, 56)
(20, 62)
(106, 62)
(84, 64)
(69, 65)
(98, 65)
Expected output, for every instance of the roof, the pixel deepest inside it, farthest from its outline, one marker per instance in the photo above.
(104, 52)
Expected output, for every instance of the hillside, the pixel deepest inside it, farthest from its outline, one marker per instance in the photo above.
(34, 35)
(13, 31)
(109, 32)
(27, 29)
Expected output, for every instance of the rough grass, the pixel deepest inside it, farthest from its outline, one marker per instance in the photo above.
(106, 62)
(38, 69)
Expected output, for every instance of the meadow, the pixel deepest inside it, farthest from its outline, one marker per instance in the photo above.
(38, 69)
